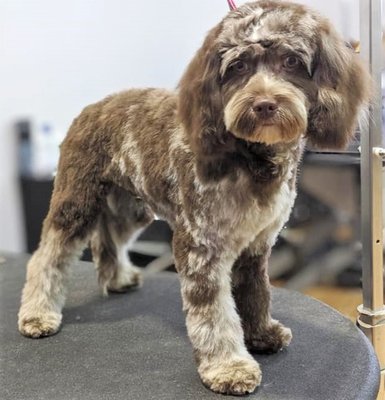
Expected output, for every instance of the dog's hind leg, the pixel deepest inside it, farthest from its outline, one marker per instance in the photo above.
(251, 289)
(44, 291)
(66, 231)
(119, 224)
(76, 203)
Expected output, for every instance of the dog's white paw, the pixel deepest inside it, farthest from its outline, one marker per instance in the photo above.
(39, 325)
(237, 377)
(125, 279)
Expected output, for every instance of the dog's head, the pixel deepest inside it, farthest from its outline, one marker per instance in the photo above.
(270, 72)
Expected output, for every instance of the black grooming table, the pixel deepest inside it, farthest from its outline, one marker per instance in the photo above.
(134, 346)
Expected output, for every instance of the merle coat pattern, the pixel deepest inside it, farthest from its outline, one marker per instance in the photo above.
(217, 158)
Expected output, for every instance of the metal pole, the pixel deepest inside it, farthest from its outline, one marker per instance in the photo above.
(372, 312)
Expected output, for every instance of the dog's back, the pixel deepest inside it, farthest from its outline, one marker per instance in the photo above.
(118, 140)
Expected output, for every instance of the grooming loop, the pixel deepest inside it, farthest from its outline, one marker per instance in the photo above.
(231, 4)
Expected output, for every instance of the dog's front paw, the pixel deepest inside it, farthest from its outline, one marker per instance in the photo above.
(126, 279)
(269, 340)
(238, 377)
(41, 325)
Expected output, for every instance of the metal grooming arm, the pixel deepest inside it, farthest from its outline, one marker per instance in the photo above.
(372, 312)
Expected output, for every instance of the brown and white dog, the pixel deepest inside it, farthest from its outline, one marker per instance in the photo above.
(218, 160)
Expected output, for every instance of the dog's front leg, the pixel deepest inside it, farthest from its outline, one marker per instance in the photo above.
(251, 288)
(213, 325)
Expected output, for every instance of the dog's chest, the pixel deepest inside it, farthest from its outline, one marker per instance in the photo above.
(266, 214)
(235, 215)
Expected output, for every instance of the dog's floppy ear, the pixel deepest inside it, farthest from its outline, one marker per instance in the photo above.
(200, 109)
(344, 87)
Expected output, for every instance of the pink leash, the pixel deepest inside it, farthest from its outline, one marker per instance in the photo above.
(231, 5)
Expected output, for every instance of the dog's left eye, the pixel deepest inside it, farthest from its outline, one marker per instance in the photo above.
(291, 62)
(239, 67)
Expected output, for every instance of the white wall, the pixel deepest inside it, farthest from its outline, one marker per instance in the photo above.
(58, 56)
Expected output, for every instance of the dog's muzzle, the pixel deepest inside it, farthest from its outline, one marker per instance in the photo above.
(267, 110)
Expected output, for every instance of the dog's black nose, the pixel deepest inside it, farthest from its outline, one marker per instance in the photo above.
(265, 108)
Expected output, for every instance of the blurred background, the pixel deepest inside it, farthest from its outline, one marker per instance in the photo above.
(56, 57)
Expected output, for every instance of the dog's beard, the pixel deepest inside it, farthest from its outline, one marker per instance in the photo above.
(286, 125)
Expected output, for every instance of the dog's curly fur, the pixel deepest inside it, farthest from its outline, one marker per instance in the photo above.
(218, 160)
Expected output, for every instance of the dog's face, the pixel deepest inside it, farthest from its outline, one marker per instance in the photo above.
(270, 72)
(265, 79)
